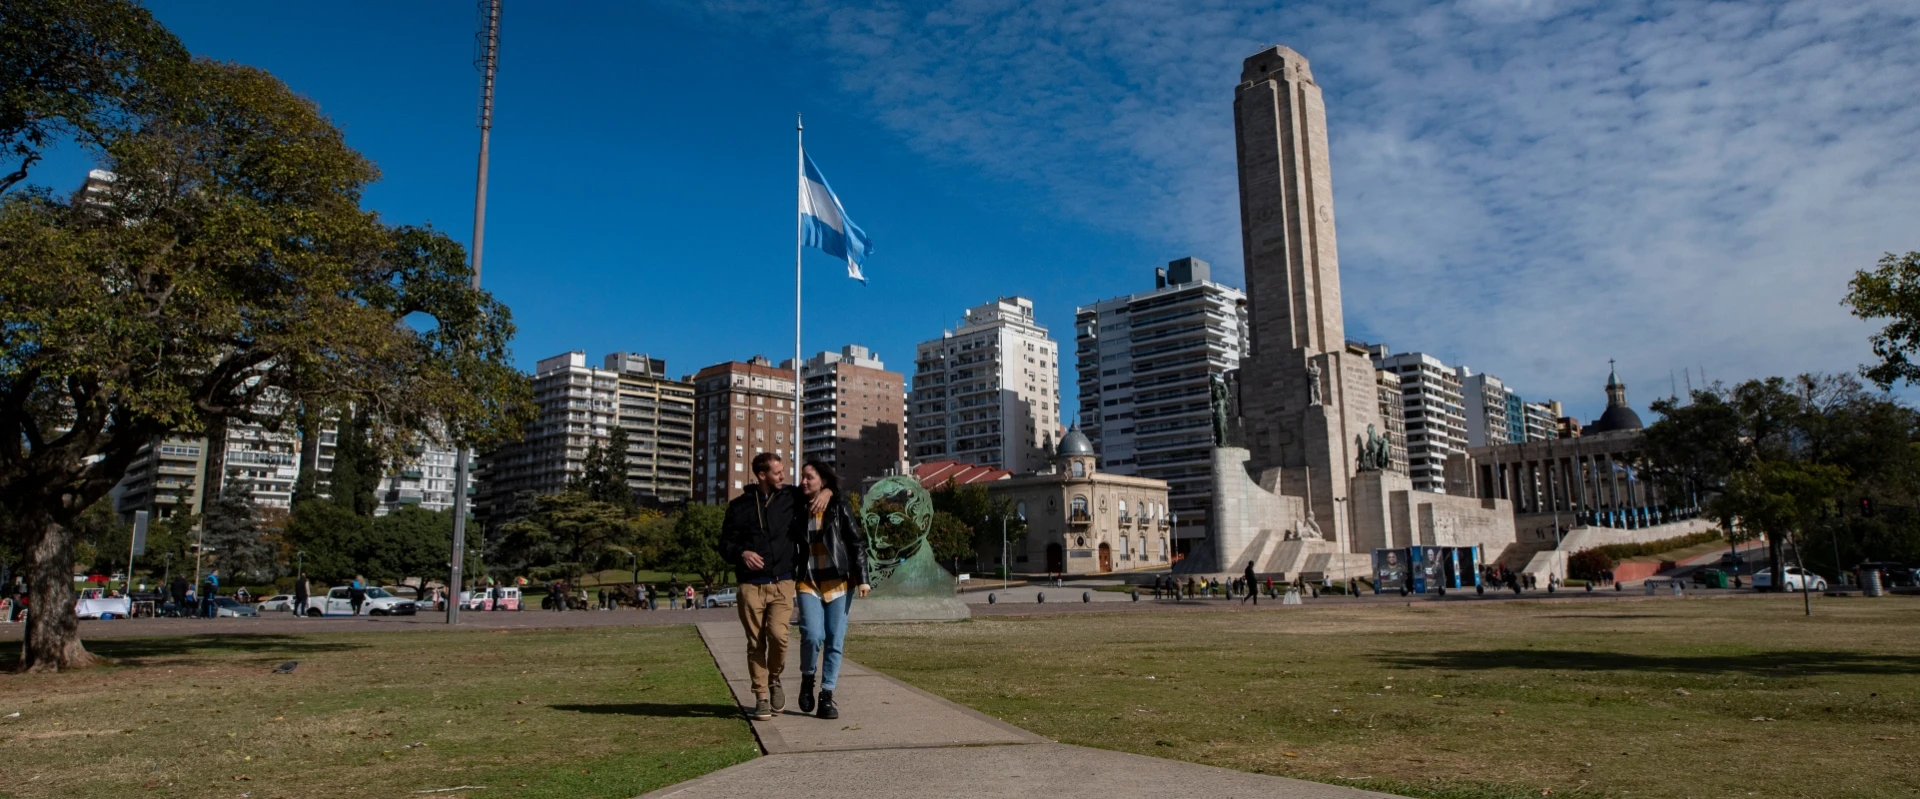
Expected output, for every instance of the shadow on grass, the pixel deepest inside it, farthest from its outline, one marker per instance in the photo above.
(1769, 664)
(665, 710)
(208, 648)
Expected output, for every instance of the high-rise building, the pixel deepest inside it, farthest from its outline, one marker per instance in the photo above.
(1145, 364)
(1485, 399)
(740, 410)
(423, 480)
(1393, 418)
(165, 478)
(987, 392)
(578, 406)
(1542, 420)
(656, 412)
(855, 413)
(1436, 415)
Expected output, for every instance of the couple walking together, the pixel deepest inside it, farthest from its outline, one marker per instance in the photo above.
(794, 545)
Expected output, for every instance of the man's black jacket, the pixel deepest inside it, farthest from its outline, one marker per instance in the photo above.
(760, 525)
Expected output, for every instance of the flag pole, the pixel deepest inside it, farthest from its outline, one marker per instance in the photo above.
(800, 177)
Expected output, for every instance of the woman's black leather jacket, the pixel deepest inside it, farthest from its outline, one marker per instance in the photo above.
(846, 543)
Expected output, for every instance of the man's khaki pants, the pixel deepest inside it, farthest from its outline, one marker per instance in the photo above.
(765, 611)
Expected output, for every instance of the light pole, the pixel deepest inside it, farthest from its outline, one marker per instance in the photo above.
(1006, 566)
(1348, 508)
(300, 561)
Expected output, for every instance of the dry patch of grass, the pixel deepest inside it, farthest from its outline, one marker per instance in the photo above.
(549, 713)
(1667, 698)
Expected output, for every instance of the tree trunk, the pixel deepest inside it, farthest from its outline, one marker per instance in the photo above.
(1774, 561)
(52, 637)
(216, 463)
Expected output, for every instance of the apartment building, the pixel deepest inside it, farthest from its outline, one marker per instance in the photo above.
(1489, 417)
(578, 406)
(741, 409)
(988, 391)
(165, 478)
(1144, 363)
(656, 412)
(854, 416)
(1393, 418)
(1435, 413)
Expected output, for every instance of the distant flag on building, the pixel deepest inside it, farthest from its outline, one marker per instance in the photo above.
(824, 223)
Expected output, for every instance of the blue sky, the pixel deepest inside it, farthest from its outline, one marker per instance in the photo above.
(1528, 187)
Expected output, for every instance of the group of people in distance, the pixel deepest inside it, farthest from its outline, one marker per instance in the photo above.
(794, 546)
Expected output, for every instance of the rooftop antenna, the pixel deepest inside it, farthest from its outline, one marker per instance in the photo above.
(486, 59)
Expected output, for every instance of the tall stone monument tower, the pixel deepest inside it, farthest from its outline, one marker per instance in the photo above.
(1306, 398)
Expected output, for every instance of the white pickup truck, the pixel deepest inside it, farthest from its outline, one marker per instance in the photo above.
(94, 603)
(338, 602)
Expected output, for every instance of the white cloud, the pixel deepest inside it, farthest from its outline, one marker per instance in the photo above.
(1527, 186)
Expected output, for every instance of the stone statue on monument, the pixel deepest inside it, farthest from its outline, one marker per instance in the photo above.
(1313, 384)
(1222, 402)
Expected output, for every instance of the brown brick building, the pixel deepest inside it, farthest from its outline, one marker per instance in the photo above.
(855, 414)
(740, 410)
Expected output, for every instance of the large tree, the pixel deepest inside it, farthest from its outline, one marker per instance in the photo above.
(227, 273)
(985, 517)
(1807, 458)
(695, 548)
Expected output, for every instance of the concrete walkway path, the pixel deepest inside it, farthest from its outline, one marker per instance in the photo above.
(893, 739)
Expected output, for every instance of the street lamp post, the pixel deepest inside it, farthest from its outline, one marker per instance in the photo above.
(300, 561)
(1348, 508)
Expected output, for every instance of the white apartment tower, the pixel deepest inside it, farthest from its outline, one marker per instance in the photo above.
(1485, 399)
(1145, 361)
(987, 392)
(1436, 413)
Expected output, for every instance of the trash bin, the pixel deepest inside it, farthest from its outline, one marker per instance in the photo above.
(1716, 579)
(1870, 582)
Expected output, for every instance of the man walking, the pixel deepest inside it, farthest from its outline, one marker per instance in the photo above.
(1251, 594)
(754, 539)
(300, 593)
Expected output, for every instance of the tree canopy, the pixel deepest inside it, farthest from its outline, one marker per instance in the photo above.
(1809, 457)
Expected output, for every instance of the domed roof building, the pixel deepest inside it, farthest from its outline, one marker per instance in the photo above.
(1074, 443)
(1618, 416)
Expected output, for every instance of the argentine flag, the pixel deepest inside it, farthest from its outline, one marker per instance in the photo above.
(824, 223)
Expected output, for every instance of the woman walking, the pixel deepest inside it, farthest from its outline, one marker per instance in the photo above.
(832, 558)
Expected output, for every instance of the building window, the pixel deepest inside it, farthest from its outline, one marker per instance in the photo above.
(1163, 547)
(1079, 469)
(1080, 513)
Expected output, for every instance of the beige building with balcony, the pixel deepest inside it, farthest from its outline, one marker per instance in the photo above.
(1084, 521)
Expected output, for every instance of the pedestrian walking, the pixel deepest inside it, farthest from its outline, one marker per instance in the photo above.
(1251, 594)
(356, 595)
(756, 538)
(831, 571)
(301, 589)
(690, 604)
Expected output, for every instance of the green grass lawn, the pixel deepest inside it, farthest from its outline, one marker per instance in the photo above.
(1668, 698)
(564, 713)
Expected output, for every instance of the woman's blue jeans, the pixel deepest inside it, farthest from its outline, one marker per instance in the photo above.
(823, 625)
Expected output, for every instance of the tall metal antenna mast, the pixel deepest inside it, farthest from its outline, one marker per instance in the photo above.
(486, 59)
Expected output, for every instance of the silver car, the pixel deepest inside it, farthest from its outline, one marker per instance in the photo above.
(727, 597)
(227, 607)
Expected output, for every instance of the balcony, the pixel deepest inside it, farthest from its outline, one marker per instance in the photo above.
(1079, 519)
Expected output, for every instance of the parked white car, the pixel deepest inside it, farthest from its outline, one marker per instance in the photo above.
(1796, 580)
(278, 603)
(338, 601)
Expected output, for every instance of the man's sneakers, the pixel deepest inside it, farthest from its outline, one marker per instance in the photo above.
(778, 695)
(806, 693)
(762, 711)
(828, 710)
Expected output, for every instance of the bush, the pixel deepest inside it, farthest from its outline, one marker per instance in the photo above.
(1619, 552)
(1589, 564)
